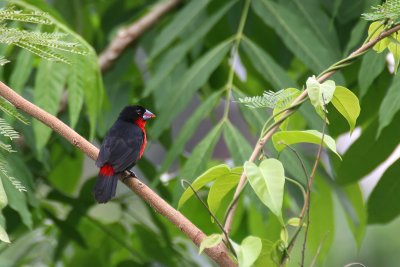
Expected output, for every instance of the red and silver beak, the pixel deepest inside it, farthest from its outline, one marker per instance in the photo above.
(148, 115)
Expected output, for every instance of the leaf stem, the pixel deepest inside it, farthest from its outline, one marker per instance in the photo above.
(235, 49)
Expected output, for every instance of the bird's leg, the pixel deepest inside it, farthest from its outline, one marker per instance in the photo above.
(126, 176)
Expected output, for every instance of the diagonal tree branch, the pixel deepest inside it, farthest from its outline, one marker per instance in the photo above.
(325, 75)
(218, 253)
(128, 35)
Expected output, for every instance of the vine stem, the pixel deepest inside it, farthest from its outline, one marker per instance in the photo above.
(257, 149)
(219, 253)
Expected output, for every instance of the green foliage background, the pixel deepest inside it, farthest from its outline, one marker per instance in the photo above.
(180, 70)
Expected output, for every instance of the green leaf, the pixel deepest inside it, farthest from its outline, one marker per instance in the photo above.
(346, 102)
(3, 235)
(385, 194)
(170, 59)
(356, 213)
(221, 187)
(283, 138)
(283, 105)
(394, 47)
(210, 242)
(107, 214)
(295, 221)
(266, 65)
(368, 152)
(268, 182)
(372, 64)
(3, 196)
(18, 202)
(194, 78)
(21, 71)
(188, 129)
(295, 34)
(373, 31)
(390, 105)
(238, 146)
(265, 257)
(200, 155)
(66, 169)
(322, 211)
(320, 94)
(249, 251)
(49, 85)
(177, 25)
(207, 177)
(76, 86)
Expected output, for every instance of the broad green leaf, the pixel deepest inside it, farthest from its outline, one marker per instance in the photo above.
(356, 213)
(368, 152)
(268, 182)
(283, 138)
(197, 161)
(295, 33)
(49, 84)
(3, 196)
(266, 65)
(237, 144)
(381, 207)
(319, 22)
(3, 235)
(320, 94)
(221, 187)
(346, 102)
(372, 64)
(210, 242)
(18, 202)
(91, 80)
(249, 251)
(194, 78)
(76, 86)
(390, 105)
(107, 214)
(191, 10)
(265, 259)
(188, 129)
(171, 58)
(21, 71)
(207, 177)
(322, 211)
(373, 31)
(65, 165)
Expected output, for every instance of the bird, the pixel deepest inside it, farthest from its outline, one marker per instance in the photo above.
(122, 147)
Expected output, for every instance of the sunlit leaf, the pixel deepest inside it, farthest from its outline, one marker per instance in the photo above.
(346, 102)
(284, 138)
(267, 181)
(249, 251)
(210, 242)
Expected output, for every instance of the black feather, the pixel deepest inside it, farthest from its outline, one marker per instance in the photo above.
(105, 188)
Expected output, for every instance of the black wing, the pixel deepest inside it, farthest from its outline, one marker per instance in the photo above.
(121, 146)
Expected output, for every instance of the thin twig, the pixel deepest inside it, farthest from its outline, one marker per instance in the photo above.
(128, 35)
(361, 50)
(218, 253)
(314, 260)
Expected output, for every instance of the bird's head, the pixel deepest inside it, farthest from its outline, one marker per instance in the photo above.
(135, 113)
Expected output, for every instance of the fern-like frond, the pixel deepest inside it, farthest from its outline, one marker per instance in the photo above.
(7, 130)
(14, 181)
(6, 147)
(390, 10)
(11, 13)
(269, 99)
(10, 110)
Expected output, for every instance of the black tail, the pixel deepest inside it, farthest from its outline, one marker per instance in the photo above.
(105, 188)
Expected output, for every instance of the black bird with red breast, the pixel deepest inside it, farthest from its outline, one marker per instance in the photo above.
(122, 147)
